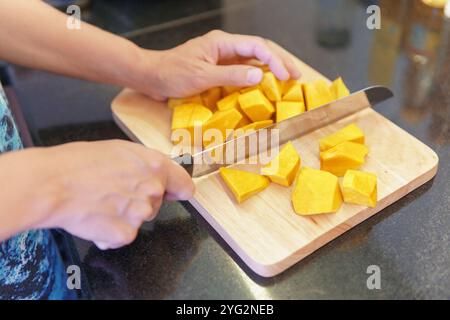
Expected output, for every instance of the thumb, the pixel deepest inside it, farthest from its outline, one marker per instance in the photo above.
(234, 75)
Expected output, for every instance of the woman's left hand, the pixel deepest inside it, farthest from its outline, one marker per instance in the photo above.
(214, 59)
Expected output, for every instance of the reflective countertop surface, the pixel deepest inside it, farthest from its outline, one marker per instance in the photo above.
(179, 256)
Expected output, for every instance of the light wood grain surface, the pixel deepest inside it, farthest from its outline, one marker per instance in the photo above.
(264, 230)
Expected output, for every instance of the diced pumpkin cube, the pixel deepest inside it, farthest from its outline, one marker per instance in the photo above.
(243, 184)
(294, 92)
(360, 188)
(229, 102)
(244, 121)
(316, 192)
(311, 95)
(324, 91)
(339, 89)
(254, 126)
(271, 87)
(181, 115)
(199, 115)
(317, 94)
(174, 102)
(289, 109)
(232, 101)
(285, 85)
(342, 157)
(244, 90)
(227, 90)
(222, 120)
(210, 98)
(258, 125)
(283, 168)
(187, 116)
(349, 133)
(256, 106)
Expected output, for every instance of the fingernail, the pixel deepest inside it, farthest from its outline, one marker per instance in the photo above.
(254, 76)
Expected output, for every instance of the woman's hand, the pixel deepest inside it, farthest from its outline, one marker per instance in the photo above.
(214, 59)
(98, 191)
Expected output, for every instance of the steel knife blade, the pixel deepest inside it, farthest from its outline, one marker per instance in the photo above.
(288, 129)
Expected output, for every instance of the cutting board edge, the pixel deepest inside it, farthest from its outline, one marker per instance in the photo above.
(124, 128)
(273, 269)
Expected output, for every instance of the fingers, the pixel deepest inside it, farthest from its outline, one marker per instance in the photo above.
(179, 185)
(233, 75)
(231, 45)
(177, 182)
(287, 59)
(115, 233)
(101, 245)
(139, 210)
(121, 230)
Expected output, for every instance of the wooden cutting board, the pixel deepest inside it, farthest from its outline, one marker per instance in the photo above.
(264, 230)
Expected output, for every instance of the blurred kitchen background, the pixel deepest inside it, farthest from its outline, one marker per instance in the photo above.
(406, 54)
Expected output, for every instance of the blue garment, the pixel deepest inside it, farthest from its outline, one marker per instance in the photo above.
(30, 263)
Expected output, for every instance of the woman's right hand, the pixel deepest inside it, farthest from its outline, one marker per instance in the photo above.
(99, 191)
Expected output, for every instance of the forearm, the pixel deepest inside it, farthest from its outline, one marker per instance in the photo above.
(35, 35)
(23, 201)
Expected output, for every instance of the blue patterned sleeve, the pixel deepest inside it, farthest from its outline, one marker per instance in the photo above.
(30, 263)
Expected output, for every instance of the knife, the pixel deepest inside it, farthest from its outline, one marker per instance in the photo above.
(289, 129)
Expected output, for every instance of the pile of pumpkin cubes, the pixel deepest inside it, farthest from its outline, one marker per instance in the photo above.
(233, 108)
(315, 191)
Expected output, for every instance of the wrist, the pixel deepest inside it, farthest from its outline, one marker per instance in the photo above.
(26, 201)
(145, 72)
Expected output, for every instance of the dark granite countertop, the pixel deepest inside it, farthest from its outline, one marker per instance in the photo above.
(179, 255)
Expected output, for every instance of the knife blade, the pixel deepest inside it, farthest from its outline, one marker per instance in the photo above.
(288, 129)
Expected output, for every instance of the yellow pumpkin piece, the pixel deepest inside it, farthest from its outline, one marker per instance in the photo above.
(227, 90)
(199, 115)
(174, 102)
(339, 89)
(256, 106)
(316, 192)
(317, 94)
(283, 168)
(294, 92)
(271, 87)
(360, 188)
(244, 90)
(342, 157)
(210, 98)
(311, 95)
(289, 109)
(258, 125)
(349, 133)
(222, 120)
(232, 102)
(244, 121)
(324, 91)
(229, 102)
(254, 126)
(285, 85)
(181, 115)
(187, 116)
(243, 184)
